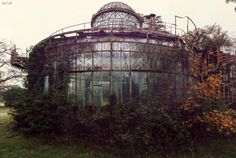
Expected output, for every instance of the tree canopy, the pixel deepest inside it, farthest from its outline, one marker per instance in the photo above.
(7, 72)
(209, 38)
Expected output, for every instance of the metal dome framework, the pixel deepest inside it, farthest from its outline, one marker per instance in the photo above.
(115, 5)
(116, 15)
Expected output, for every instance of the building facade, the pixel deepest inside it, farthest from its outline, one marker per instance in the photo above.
(123, 56)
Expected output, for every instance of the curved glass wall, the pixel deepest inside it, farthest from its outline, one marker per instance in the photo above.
(126, 69)
(96, 87)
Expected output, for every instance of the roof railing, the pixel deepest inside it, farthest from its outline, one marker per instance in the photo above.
(80, 26)
(161, 27)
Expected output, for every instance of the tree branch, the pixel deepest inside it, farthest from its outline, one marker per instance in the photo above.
(10, 77)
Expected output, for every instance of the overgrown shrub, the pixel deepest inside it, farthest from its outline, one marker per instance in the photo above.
(148, 125)
(204, 111)
(12, 95)
(131, 126)
(37, 115)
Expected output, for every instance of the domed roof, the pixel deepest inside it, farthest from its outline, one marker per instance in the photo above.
(116, 14)
(116, 5)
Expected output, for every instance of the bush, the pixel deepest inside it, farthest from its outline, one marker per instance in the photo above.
(205, 112)
(13, 95)
(148, 125)
(136, 127)
(37, 115)
(133, 126)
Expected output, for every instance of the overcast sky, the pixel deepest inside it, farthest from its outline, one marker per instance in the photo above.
(26, 22)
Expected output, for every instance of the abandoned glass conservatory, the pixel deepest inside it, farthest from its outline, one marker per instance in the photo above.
(122, 54)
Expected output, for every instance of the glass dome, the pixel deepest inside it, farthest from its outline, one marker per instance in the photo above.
(115, 5)
(116, 15)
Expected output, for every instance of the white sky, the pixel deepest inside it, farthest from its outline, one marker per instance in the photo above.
(26, 22)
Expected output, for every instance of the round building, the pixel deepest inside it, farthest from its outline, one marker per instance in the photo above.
(123, 56)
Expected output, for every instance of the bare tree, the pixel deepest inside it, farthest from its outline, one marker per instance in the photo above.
(7, 72)
(230, 1)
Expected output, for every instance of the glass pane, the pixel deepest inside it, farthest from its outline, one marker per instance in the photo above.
(46, 84)
(97, 46)
(106, 46)
(125, 61)
(105, 88)
(135, 85)
(88, 61)
(88, 88)
(116, 46)
(125, 87)
(97, 88)
(106, 60)
(81, 88)
(71, 87)
(97, 57)
(117, 86)
(80, 62)
(116, 60)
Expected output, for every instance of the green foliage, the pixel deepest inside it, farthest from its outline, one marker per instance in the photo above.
(13, 144)
(208, 38)
(36, 70)
(34, 115)
(141, 127)
(12, 96)
(148, 125)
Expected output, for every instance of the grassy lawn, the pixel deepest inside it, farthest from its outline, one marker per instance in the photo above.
(13, 145)
(3, 110)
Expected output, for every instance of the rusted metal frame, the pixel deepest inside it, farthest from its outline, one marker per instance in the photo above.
(110, 65)
(147, 51)
(97, 31)
(50, 57)
(139, 18)
(135, 35)
(111, 56)
(83, 24)
(127, 19)
(117, 40)
(146, 69)
(227, 85)
(92, 77)
(76, 78)
(223, 85)
(133, 70)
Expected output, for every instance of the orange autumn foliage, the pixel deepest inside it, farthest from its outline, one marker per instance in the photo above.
(203, 106)
(209, 88)
(199, 67)
(221, 120)
(218, 121)
(199, 93)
